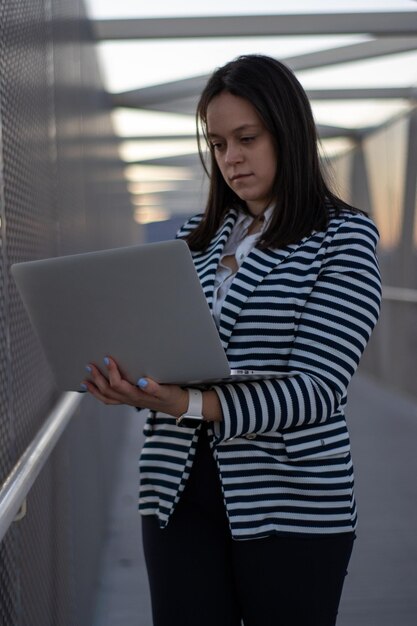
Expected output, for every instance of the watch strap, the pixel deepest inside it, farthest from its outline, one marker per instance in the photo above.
(194, 411)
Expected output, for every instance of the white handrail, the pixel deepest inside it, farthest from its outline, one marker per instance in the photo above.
(399, 294)
(20, 480)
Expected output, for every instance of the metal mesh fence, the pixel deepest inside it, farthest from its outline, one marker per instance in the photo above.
(61, 191)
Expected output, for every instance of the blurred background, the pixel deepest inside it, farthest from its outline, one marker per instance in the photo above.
(98, 150)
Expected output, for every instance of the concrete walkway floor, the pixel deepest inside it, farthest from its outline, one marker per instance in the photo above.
(381, 588)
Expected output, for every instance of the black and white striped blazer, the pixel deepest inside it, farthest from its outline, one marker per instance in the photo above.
(283, 452)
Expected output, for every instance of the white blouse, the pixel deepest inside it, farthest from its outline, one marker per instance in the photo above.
(239, 244)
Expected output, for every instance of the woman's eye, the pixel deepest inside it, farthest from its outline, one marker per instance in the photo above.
(247, 139)
(216, 146)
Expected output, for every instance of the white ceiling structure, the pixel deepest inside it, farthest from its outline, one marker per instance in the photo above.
(356, 60)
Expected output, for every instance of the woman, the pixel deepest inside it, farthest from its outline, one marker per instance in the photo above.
(250, 514)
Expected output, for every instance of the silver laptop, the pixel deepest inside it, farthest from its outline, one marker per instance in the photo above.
(143, 305)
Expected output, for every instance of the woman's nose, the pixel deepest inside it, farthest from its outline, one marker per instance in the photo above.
(233, 154)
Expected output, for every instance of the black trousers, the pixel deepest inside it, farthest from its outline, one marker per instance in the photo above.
(200, 576)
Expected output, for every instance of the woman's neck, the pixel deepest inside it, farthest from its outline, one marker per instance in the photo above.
(256, 224)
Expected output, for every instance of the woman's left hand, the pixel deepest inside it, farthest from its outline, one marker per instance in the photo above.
(148, 394)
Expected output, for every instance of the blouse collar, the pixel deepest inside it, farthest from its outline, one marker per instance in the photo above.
(244, 220)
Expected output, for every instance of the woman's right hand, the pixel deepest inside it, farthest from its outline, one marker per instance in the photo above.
(146, 394)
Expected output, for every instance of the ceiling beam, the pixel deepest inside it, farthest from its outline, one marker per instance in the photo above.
(372, 49)
(374, 23)
(188, 105)
(145, 138)
(379, 93)
(188, 88)
(324, 130)
(191, 160)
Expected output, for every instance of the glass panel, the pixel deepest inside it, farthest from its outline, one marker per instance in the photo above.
(385, 156)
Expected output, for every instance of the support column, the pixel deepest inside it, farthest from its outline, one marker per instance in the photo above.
(359, 183)
(408, 252)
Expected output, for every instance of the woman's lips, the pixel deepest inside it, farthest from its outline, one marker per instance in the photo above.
(239, 177)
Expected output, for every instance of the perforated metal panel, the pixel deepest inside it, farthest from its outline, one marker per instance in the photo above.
(61, 191)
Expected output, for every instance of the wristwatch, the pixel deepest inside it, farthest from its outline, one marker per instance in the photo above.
(194, 413)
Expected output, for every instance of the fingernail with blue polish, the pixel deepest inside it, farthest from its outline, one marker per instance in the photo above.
(83, 387)
(106, 360)
(88, 369)
(142, 383)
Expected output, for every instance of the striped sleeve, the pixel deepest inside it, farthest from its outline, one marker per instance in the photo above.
(332, 332)
(189, 226)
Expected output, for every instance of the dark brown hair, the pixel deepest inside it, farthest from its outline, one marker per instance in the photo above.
(301, 193)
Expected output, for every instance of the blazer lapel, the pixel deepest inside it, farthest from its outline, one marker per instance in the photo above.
(206, 262)
(257, 265)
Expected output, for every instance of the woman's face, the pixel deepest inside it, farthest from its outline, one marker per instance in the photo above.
(243, 149)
